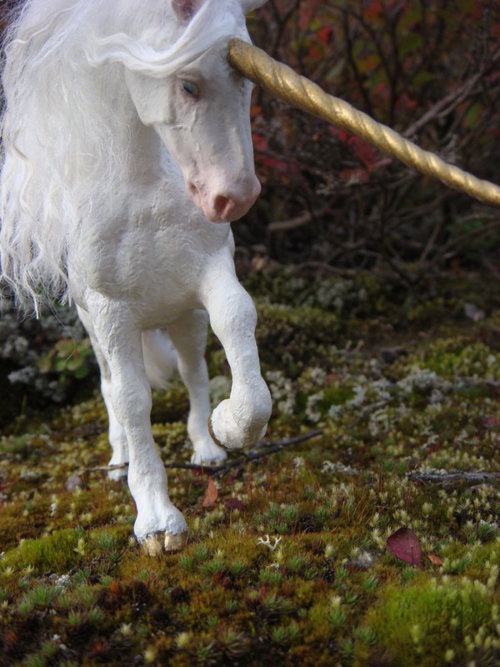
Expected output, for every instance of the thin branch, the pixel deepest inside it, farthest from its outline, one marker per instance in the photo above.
(263, 449)
(453, 478)
(353, 65)
(287, 225)
(448, 103)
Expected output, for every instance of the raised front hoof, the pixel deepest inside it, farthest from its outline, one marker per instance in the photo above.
(230, 438)
(157, 543)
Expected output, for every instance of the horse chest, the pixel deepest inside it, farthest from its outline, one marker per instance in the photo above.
(154, 258)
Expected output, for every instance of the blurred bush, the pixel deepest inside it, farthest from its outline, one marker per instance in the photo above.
(431, 71)
(41, 361)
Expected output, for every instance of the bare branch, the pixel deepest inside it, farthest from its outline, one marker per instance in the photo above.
(263, 449)
(287, 225)
(453, 478)
(448, 103)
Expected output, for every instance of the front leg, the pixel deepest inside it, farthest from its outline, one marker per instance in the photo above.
(240, 420)
(189, 336)
(159, 524)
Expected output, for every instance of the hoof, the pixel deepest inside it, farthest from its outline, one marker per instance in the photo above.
(156, 544)
(175, 542)
(241, 421)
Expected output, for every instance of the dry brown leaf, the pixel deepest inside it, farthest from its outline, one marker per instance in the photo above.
(211, 494)
(435, 560)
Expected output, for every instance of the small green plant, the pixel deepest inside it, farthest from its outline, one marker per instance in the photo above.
(237, 567)
(295, 564)
(206, 653)
(365, 635)
(346, 649)
(271, 576)
(201, 553)
(337, 617)
(68, 358)
(213, 567)
(187, 563)
(280, 635)
(75, 618)
(231, 606)
(212, 622)
(40, 598)
(95, 615)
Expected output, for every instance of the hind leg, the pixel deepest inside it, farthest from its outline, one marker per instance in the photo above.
(189, 336)
(116, 433)
(160, 358)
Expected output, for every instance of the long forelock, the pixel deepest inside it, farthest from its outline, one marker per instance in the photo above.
(62, 142)
(213, 22)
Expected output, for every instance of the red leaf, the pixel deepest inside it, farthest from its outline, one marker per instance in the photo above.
(234, 504)
(325, 35)
(115, 589)
(211, 494)
(363, 151)
(404, 544)
(489, 422)
(374, 10)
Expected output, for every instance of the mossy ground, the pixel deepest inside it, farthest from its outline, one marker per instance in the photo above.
(290, 565)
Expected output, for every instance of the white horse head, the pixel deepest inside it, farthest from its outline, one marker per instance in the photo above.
(198, 105)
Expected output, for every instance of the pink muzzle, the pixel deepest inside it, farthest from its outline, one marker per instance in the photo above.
(227, 204)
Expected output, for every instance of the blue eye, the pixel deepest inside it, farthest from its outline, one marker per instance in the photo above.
(190, 88)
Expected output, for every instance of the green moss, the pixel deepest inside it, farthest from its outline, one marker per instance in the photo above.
(458, 357)
(53, 553)
(418, 623)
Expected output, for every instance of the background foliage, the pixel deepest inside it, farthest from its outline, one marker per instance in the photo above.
(428, 69)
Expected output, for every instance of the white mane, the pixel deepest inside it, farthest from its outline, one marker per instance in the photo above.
(64, 142)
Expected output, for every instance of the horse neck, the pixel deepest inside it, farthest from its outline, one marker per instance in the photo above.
(144, 149)
(134, 149)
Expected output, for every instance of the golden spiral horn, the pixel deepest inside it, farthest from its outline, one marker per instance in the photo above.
(297, 91)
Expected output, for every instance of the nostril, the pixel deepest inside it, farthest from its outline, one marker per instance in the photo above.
(192, 188)
(222, 206)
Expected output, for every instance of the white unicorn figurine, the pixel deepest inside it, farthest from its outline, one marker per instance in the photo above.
(127, 153)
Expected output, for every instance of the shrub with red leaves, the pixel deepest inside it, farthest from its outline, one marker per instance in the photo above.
(429, 70)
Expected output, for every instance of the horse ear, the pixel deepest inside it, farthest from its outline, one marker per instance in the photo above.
(185, 9)
(250, 5)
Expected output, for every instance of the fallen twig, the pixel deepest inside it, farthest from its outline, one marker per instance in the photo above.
(454, 477)
(263, 449)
